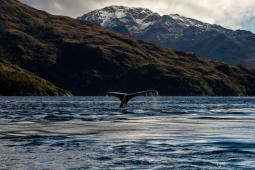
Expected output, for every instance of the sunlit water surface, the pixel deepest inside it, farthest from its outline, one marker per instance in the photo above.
(153, 133)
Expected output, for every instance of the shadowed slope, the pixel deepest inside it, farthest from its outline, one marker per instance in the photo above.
(15, 81)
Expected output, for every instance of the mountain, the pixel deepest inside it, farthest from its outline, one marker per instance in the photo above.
(178, 32)
(15, 81)
(87, 59)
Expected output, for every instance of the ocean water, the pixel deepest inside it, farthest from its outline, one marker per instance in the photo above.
(153, 133)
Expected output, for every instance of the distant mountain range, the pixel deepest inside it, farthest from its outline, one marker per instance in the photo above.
(178, 32)
(43, 51)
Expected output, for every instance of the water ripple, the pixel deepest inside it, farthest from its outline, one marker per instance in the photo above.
(160, 133)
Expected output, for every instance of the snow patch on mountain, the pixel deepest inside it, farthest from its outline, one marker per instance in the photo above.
(187, 22)
(134, 19)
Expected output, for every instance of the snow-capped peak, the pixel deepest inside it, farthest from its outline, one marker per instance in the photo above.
(134, 19)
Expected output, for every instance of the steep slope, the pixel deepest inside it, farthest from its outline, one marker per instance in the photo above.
(87, 59)
(180, 33)
(15, 81)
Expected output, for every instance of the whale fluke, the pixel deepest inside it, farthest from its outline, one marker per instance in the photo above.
(125, 98)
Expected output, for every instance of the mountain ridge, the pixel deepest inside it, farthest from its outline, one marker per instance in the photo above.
(180, 33)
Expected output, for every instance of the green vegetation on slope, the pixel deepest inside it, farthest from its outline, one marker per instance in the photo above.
(15, 81)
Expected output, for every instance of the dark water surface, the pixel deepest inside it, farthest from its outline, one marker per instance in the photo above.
(153, 133)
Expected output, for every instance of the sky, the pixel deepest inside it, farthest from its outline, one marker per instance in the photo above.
(233, 14)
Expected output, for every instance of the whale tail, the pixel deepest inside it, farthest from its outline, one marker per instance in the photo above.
(125, 98)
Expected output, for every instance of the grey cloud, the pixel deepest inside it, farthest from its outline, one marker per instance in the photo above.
(62, 7)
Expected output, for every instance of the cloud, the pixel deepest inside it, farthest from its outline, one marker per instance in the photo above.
(234, 14)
